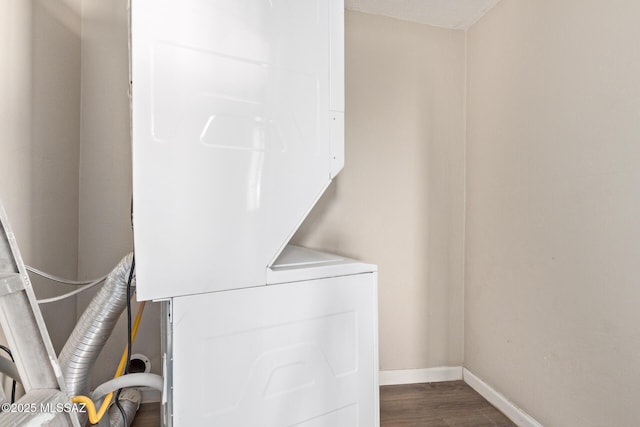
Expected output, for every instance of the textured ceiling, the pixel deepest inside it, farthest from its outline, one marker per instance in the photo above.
(457, 14)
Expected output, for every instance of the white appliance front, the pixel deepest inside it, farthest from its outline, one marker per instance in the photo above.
(292, 354)
(237, 126)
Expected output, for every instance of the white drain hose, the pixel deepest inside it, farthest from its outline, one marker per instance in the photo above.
(130, 380)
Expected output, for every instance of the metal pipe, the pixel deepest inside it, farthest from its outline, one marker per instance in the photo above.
(94, 328)
(130, 401)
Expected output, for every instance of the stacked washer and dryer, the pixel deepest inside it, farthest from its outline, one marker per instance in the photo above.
(238, 129)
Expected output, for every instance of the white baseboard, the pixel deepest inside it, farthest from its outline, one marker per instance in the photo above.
(415, 376)
(504, 405)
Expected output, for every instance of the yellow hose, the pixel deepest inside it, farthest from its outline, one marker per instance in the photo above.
(95, 417)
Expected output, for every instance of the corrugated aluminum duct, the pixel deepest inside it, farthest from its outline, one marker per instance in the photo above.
(130, 401)
(94, 328)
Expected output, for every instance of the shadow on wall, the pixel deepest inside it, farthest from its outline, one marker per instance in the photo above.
(326, 204)
(55, 145)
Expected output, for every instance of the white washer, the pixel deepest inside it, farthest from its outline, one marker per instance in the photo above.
(301, 351)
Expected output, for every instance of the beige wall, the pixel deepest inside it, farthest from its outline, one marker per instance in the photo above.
(39, 141)
(105, 171)
(553, 229)
(65, 174)
(15, 129)
(55, 152)
(399, 201)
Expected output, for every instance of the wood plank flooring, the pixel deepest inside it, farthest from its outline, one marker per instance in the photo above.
(148, 416)
(447, 404)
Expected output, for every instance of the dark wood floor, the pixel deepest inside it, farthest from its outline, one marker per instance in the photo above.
(448, 404)
(148, 416)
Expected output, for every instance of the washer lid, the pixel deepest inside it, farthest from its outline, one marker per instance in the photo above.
(296, 264)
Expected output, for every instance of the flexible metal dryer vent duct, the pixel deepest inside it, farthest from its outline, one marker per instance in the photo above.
(130, 402)
(94, 328)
